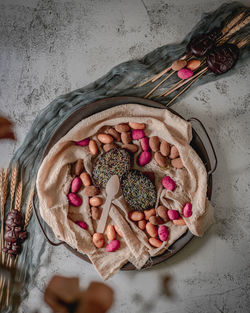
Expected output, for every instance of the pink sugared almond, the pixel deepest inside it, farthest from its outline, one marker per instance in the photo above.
(187, 210)
(113, 246)
(76, 184)
(185, 73)
(137, 134)
(173, 215)
(145, 144)
(144, 158)
(168, 183)
(74, 199)
(83, 143)
(82, 224)
(163, 233)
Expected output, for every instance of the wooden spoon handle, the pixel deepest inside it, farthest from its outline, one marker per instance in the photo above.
(105, 212)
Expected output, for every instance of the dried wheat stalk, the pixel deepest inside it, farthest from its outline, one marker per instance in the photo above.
(233, 22)
(29, 208)
(235, 29)
(18, 199)
(184, 89)
(4, 186)
(3, 201)
(13, 184)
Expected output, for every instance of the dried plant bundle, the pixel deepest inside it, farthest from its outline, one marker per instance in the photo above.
(13, 183)
(29, 208)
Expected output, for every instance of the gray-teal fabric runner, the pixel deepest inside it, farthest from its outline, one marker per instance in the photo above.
(121, 80)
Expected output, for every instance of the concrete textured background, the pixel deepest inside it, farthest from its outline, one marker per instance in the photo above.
(49, 47)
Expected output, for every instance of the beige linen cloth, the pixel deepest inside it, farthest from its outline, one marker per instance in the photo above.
(54, 178)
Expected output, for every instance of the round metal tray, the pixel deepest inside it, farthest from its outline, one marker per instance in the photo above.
(105, 104)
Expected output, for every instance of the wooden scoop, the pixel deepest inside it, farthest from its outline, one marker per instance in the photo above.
(112, 189)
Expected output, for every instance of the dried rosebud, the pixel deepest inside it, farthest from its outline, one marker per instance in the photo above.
(201, 45)
(221, 59)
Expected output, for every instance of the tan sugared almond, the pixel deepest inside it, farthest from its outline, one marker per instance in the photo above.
(78, 167)
(178, 65)
(177, 163)
(131, 147)
(96, 213)
(161, 160)
(154, 143)
(136, 216)
(86, 179)
(156, 243)
(91, 191)
(118, 230)
(179, 222)
(174, 153)
(126, 138)
(93, 148)
(142, 224)
(164, 148)
(149, 213)
(151, 230)
(135, 125)
(123, 127)
(109, 146)
(105, 138)
(95, 201)
(98, 240)
(110, 231)
(111, 131)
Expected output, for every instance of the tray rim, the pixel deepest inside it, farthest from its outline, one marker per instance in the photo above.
(104, 104)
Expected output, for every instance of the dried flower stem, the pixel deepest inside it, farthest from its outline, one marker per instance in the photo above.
(184, 89)
(159, 75)
(159, 84)
(183, 82)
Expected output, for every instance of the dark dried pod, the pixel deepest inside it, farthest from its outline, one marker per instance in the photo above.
(221, 59)
(14, 232)
(215, 34)
(201, 45)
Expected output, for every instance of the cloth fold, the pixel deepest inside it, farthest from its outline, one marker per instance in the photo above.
(54, 178)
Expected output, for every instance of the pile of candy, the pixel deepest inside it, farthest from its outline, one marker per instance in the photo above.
(113, 151)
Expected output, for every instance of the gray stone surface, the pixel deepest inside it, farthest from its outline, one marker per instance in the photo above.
(49, 47)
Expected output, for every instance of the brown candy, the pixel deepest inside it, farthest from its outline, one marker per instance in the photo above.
(91, 191)
(114, 133)
(156, 220)
(109, 146)
(78, 167)
(162, 211)
(178, 65)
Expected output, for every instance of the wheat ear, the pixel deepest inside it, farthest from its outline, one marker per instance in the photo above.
(13, 184)
(18, 199)
(29, 208)
(232, 23)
